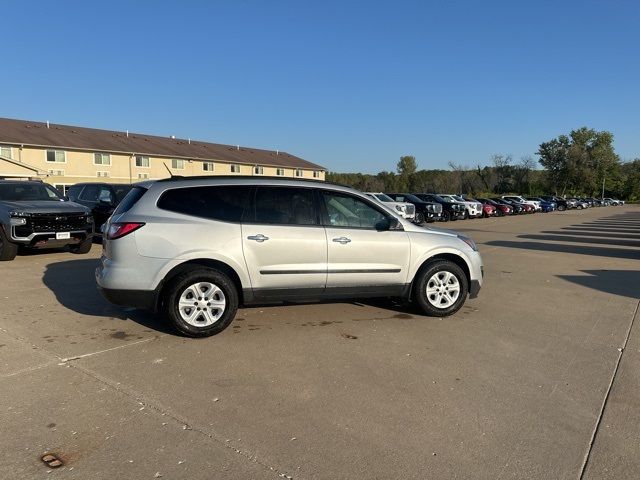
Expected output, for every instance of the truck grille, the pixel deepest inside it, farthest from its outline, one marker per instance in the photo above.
(53, 223)
(411, 209)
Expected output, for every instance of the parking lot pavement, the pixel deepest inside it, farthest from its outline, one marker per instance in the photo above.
(513, 386)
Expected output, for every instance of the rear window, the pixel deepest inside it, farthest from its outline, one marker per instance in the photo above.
(226, 203)
(130, 200)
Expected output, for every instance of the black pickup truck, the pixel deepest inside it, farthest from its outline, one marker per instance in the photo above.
(34, 215)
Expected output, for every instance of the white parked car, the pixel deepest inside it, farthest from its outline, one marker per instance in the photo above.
(474, 209)
(404, 209)
(194, 249)
(517, 198)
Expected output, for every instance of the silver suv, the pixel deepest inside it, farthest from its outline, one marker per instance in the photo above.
(195, 249)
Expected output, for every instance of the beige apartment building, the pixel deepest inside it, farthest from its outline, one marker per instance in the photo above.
(65, 155)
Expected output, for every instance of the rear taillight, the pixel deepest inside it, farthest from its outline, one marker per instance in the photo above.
(119, 230)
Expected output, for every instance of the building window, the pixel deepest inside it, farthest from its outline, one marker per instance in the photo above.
(235, 168)
(258, 170)
(280, 172)
(207, 166)
(57, 156)
(177, 164)
(298, 172)
(143, 176)
(102, 174)
(316, 174)
(142, 161)
(101, 159)
(62, 188)
(56, 173)
(5, 151)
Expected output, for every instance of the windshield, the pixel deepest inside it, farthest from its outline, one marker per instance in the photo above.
(24, 192)
(383, 198)
(459, 198)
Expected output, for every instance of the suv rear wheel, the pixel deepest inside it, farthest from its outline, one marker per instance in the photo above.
(201, 303)
(8, 250)
(441, 288)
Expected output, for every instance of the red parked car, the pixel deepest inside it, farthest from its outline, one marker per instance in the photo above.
(500, 209)
(488, 210)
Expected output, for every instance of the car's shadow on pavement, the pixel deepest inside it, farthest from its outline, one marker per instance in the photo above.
(618, 282)
(73, 283)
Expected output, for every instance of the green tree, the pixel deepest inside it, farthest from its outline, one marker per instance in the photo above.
(407, 165)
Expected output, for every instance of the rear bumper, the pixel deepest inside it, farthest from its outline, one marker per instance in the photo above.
(143, 299)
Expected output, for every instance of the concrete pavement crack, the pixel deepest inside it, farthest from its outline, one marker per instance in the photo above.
(605, 400)
(166, 412)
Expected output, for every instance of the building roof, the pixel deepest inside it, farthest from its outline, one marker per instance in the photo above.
(28, 133)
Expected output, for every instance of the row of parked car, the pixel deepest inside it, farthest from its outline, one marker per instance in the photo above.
(431, 207)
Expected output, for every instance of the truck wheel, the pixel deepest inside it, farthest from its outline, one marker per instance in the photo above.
(82, 247)
(201, 303)
(441, 288)
(8, 250)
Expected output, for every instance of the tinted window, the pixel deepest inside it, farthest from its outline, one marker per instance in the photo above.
(130, 200)
(285, 206)
(348, 211)
(226, 203)
(28, 192)
(90, 193)
(121, 191)
(74, 191)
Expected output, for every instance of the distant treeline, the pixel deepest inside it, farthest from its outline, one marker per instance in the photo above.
(576, 164)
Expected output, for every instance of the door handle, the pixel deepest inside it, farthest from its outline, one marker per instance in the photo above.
(342, 240)
(258, 238)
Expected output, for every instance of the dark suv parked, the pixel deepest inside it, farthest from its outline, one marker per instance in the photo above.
(101, 198)
(35, 215)
(426, 210)
(450, 210)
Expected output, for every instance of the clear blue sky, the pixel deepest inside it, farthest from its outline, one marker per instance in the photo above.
(351, 85)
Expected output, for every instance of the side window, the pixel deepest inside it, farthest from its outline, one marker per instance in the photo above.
(226, 203)
(105, 195)
(90, 193)
(74, 191)
(348, 211)
(285, 206)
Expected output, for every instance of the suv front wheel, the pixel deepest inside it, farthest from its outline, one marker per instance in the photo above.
(441, 288)
(8, 250)
(201, 303)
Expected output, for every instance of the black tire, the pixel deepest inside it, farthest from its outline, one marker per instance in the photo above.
(181, 283)
(8, 250)
(423, 278)
(446, 216)
(82, 247)
(562, 208)
(419, 218)
(466, 214)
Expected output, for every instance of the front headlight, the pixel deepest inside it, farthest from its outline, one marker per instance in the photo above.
(469, 242)
(400, 208)
(18, 221)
